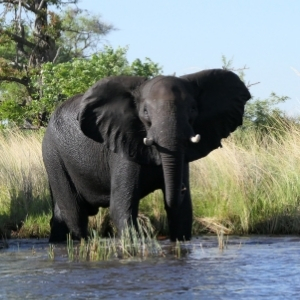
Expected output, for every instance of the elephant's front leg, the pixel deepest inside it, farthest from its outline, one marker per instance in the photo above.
(125, 194)
(180, 220)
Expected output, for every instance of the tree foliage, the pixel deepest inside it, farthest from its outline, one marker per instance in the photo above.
(261, 114)
(31, 35)
(57, 82)
(81, 34)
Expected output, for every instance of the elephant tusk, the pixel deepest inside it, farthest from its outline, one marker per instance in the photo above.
(195, 139)
(148, 142)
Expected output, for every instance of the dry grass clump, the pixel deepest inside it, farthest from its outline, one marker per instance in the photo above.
(213, 225)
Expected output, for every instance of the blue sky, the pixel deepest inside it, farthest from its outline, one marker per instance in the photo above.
(192, 35)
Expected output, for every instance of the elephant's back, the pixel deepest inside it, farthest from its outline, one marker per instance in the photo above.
(65, 117)
(63, 132)
(64, 143)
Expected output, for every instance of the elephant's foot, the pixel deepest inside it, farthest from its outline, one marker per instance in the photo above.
(59, 231)
(180, 237)
(180, 227)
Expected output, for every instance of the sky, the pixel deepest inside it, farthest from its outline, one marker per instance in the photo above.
(186, 36)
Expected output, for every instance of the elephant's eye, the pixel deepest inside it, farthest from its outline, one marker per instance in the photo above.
(193, 114)
(146, 115)
(194, 111)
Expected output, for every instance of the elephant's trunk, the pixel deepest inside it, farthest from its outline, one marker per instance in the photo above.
(173, 169)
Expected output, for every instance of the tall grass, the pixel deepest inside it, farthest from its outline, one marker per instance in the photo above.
(24, 192)
(251, 185)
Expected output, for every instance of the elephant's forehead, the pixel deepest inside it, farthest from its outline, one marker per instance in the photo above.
(166, 88)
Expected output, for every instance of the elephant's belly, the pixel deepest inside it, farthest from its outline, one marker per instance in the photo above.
(92, 205)
(95, 203)
(95, 193)
(97, 199)
(94, 190)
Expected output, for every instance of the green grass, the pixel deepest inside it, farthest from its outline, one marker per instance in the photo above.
(35, 227)
(251, 185)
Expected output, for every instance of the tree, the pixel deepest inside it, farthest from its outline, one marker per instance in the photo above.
(81, 34)
(31, 35)
(58, 82)
(262, 114)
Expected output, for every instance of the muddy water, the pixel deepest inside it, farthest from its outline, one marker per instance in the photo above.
(249, 268)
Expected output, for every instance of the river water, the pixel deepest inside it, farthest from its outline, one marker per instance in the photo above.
(255, 267)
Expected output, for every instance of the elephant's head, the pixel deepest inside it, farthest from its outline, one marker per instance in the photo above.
(165, 120)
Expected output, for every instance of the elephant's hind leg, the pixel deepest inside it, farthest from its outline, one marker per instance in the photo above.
(59, 228)
(69, 213)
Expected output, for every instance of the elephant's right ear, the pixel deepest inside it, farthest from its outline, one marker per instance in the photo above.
(108, 115)
(221, 97)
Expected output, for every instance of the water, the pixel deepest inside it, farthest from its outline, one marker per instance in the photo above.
(249, 268)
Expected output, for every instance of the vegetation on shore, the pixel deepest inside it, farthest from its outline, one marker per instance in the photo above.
(251, 185)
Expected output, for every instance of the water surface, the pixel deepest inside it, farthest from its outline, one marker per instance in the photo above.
(249, 268)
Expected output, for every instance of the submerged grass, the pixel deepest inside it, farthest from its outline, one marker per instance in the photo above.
(251, 185)
(132, 244)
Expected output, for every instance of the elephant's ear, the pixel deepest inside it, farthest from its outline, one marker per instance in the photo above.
(221, 97)
(108, 115)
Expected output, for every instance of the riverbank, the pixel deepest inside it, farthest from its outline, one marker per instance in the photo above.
(251, 185)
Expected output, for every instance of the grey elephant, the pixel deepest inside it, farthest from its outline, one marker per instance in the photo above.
(129, 136)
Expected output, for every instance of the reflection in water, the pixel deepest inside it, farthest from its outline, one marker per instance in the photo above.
(250, 268)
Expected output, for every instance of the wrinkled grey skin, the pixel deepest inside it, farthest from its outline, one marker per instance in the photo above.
(95, 153)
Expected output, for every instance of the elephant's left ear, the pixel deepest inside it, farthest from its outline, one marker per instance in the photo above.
(221, 97)
(109, 116)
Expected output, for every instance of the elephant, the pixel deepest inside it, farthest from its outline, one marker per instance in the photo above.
(128, 136)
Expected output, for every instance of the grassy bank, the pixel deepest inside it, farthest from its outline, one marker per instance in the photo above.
(251, 185)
